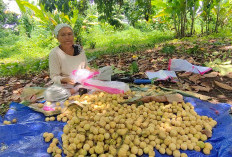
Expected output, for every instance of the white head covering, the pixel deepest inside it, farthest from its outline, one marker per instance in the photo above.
(59, 26)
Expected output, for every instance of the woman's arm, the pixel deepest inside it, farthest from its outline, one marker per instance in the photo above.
(55, 68)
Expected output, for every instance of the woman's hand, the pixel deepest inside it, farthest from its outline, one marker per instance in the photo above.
(67, 80)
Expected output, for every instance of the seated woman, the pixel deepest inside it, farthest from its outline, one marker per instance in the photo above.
(66, 57)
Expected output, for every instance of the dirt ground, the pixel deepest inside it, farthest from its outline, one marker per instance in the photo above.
(153, 60)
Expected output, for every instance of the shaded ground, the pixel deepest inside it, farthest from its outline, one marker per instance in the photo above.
(214, 52)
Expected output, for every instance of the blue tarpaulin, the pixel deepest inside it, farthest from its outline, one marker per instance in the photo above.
(25, 138)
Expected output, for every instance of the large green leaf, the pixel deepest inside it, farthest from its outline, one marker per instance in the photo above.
(158, 3)
(21, 6)
(38, 13)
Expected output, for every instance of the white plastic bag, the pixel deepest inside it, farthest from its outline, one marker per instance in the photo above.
(85, 77)
(104, 73)
(183, 65)
(162, 75)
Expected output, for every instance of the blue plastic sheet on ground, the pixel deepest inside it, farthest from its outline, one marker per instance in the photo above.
(25, 138)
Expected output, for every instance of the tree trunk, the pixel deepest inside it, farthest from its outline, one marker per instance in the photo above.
(174, 18)
(147, 11)
(178, 26)
(192, 24)
(183, 19)
(202, 28)
(208, 24)
(218, 12)
(182, 27)
(185, 24)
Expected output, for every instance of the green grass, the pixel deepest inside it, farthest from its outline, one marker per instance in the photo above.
(21, 48)
(22, 55)
(131, 40)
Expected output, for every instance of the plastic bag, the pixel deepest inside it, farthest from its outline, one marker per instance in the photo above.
(55, 97)
(105, 73)
(162, 75)
(32, 94)
(56, 93)
(183, 65)
(85, 77)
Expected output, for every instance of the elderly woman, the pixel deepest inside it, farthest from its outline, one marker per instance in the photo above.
(65, 58)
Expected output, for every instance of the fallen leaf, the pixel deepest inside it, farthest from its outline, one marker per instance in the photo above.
(185, 74)
(222, 85)
(147, 99)
(15, 92)
(1, 88)
(183, 57)
(191, 60)
(17, 85)
(160, 98)
(13, 79)
(212, 74)
(180, 85)
(206, 84)
(208, 133)
(174, 97)
(15, 97)
(200, 88)
(186, 86)
(29, 84)
(188, 93)
(46, 79)
(153, 60)
(195, 78)
(22, 81)
(229, 75)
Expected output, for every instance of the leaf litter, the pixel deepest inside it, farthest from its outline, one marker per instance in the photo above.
(212, 85)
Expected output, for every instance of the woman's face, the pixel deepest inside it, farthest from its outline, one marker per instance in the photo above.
(65, 36)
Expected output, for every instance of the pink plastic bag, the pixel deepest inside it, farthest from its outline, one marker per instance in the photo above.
(85, 77)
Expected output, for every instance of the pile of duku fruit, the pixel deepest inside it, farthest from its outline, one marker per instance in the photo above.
(106, 126)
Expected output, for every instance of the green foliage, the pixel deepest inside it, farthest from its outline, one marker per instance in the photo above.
(111, 41)
(2, 9)
(27, 24)
(66, 7)
(134, 68)
(224, 67)
(133, 12)
(99, 27)
(144, 26)
(117, 23)
(168, 49)
(7, 37)
(194, 50)
(30, 53)
(117, 71)
(23, 68)
(108, 8)
(92, 45)
(4, 108)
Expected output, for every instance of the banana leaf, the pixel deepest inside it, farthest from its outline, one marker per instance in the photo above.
(187, 93)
